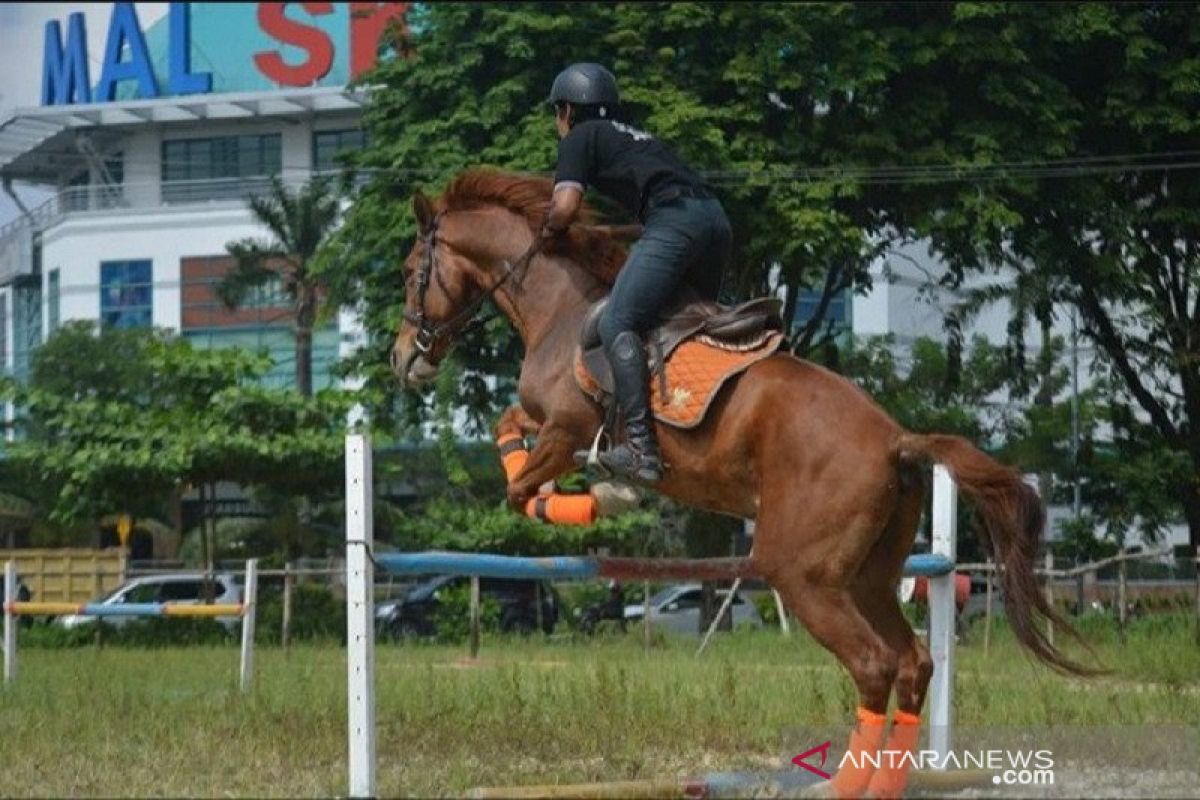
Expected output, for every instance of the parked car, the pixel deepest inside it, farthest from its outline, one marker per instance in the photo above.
(677, 608)
(183, 587)
(414, 614)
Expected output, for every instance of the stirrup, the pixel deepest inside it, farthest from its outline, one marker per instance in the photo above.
(590, 459)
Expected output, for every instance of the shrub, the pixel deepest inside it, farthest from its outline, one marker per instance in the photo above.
(452, 617)
(316, 614)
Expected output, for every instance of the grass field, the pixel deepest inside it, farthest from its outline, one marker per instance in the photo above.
(133, 722)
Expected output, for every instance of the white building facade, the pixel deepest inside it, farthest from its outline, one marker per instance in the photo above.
(150, 168)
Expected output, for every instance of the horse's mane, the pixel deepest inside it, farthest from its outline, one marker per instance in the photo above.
(529, 197)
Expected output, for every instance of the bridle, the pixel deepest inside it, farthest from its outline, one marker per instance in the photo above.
(429, 332)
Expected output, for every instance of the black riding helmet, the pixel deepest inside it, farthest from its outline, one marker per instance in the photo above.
(585, 84)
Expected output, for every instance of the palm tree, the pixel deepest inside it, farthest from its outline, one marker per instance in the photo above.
(299, 223)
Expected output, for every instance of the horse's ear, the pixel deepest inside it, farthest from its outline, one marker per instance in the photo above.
(423, 210)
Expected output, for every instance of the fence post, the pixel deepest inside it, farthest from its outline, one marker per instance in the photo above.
(1080, 597)
(942, 610)
(474, 616)
(360, 616)
(724, 609)
(646, 615)
(537, 605)
(249, 611)
(987, 610)
(1196, 572)
(98, 637)
(1049, 595)
(1121, 588)
(10, 622)
(286, 633)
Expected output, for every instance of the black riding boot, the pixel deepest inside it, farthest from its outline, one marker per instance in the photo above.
(637, 457)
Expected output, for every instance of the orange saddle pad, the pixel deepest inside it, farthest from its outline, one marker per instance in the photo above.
(696, 371)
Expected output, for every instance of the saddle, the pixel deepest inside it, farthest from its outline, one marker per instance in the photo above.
(696, 347)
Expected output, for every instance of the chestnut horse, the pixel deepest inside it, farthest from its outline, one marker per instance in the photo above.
(835, 486)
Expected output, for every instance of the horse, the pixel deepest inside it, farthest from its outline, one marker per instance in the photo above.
(835, 486)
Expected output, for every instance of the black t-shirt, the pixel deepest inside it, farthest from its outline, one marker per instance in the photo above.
(620, 161)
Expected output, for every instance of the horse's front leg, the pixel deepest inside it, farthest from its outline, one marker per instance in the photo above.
(553, 455)
(515, 420)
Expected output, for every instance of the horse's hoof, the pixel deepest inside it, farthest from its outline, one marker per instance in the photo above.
(614, 498)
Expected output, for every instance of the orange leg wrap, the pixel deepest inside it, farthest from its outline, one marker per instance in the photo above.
(892, 776)
(852, 779)
(563, 509)
(513, 454)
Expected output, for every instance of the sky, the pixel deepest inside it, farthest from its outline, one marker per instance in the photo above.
(22, 29)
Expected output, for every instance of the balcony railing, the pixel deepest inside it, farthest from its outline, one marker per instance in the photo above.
(17, 236)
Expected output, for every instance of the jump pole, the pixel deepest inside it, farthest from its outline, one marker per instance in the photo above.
(247, 610)
(944, 543)
(10, 622)
(360, 616)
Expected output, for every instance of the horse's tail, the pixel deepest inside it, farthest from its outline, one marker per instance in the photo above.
(1013, 515)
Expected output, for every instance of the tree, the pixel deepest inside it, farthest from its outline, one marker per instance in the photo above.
(115, 421)
(743, 91)
(299, 223)
(1055, 140)
(1069, 134)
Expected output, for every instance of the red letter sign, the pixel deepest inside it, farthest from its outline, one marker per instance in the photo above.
(320, 49)
(368, 21)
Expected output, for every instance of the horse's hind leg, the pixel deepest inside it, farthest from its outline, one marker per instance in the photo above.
(816, 582)
(875, 595)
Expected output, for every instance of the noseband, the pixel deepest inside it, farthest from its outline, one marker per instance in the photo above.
(429, 332)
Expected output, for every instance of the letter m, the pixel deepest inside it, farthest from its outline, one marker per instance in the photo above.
(65, 69)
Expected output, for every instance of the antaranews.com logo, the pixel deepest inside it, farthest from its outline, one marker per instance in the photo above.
(1008, 767)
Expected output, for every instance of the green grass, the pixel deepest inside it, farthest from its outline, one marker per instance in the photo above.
(124, 721)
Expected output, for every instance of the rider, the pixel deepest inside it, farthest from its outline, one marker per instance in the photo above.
(686, 239)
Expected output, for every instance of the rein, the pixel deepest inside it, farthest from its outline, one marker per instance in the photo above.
(429, 332)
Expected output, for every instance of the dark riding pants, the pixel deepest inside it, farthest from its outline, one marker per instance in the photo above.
(684, 243)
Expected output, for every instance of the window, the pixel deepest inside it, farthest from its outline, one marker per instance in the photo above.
(328, 144)
(110, 194)
(26, 321)
(280, 345)
(52, 300)
(181, 590)
(837, 312)
(125, 294)
(75, 196)
(268, 295)
(142, 593)
(721, 595)
(4, 334)
(217, 168)
(689, 599)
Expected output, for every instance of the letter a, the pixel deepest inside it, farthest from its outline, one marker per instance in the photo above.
(124, 28)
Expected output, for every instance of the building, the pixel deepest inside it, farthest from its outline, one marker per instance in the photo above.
(150, 166)
(147, 166)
